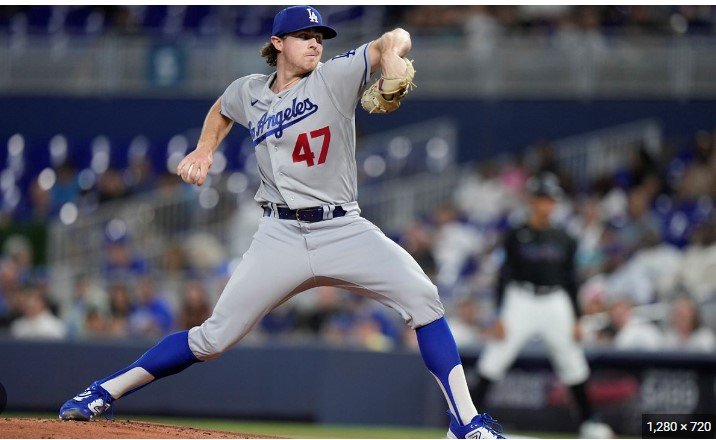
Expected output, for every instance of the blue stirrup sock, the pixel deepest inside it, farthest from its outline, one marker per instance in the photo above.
(439, 351)
(170, 356)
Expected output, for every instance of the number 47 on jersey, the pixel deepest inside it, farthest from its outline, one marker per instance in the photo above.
(302, 151)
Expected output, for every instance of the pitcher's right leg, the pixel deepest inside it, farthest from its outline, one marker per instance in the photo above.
(274, 267)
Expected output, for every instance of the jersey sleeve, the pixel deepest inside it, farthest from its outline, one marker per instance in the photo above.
(345, 75)
(233, 100)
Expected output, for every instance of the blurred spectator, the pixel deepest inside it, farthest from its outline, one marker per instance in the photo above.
(389, 322)
(152, 316)
(195, 307)
(692, 178)
(681, 217)
(111, 186)
(513, 176)
(613, 198)
(613, 253)
(139, 176)
(18, 249)
(121, 306)
(464, 323)
(696, 271)
(595, 321)
(205, 252)
(40, 202)
(120, 261)
(638, 224)
(361, 324)
(336, 331)
(37, 322)
(86, 297)
(10, 292)
(700, 175)
(482, 195)
(327, 303)
(174, 274)
(173, 218)
(633, 332)
(97, 324)
(545, 161)
(640, 279)
(641, 166)
(174, 260)
(685, 331)
(367, 334)
(417, 241)
(244, 224)
(66, 188)
(588, 227)
(455, 242)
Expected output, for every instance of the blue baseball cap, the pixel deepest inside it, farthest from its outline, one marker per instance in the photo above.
(298, 18)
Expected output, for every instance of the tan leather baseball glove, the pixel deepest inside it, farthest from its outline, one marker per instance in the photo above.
(384, 95)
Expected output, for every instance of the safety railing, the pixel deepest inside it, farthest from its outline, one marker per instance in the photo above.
(568, 66)
(600, 152)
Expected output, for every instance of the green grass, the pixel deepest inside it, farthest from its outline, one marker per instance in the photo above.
(298, 430)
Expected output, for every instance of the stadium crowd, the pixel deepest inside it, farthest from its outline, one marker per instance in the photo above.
(552, 20)
(646, 260)
(442, 21)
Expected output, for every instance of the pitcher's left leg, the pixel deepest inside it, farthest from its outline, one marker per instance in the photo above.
(368, 262)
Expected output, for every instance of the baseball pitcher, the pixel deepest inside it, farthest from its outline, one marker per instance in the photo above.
(301, 119)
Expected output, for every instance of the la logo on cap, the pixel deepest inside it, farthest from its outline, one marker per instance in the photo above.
(312, 17)
(298, 18)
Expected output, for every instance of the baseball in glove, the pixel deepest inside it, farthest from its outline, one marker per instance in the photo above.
(384, 95)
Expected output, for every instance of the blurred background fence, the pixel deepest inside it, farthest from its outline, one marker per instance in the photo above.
(517, 66)
(474, 52)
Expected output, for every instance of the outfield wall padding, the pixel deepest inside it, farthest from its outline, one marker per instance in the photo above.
(342, 386)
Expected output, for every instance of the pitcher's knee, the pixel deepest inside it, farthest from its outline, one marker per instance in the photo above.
(206, 345)
(425, 307)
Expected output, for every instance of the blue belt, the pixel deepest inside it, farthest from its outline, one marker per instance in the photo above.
(309, 215)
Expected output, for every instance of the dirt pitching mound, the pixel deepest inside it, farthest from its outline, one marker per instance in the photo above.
(46, 428)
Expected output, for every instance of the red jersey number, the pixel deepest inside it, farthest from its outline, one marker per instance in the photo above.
(302, 151)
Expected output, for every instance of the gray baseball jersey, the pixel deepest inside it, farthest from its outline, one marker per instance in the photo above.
(305, 146)
(304, 136)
